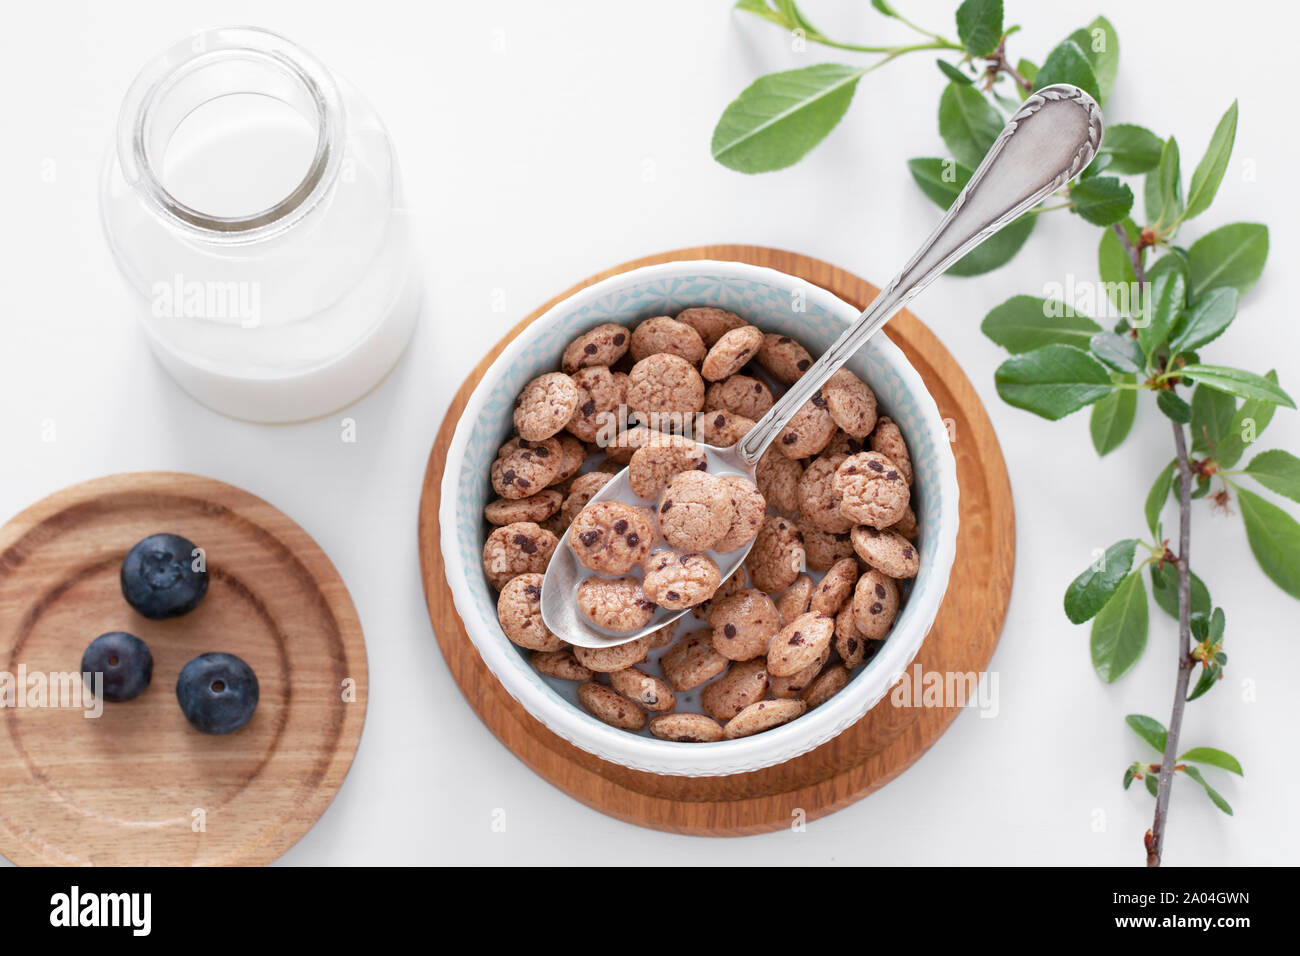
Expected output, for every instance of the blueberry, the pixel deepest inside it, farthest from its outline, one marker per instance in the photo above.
(217, 692)
(125, 662)
(159, 579)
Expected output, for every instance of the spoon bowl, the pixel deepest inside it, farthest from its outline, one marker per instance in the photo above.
(565, 572)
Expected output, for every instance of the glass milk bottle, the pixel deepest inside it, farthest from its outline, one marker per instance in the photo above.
(253, 203)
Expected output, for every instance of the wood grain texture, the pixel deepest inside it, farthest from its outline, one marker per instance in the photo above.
(132, 786)
(871, 752)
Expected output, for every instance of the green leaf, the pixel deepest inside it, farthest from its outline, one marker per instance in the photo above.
(1218, 622)
(1238, 382)
(1209, 677)
(1025, 322)
(954, 74)
(795, 16)
(1089, 592)
(1164, 588)
(1150, 730)
(1213, 757)
(1129, 773)
(1174, 408)
(968, 123)
(1174, 260)
(942, 180)
(1152, 784)
(1158, 495)
(1169, 177)
(1205, 321)
(1052, 381)
(1119, 631)
(1120, 352)
(1274, 538)
(1101, 200)
(1112, 420)
(1247, 425)
(1132, 149)
(1100, 44)
(1210, 791)
(761, 9)
(780, 117)
(1209, 171)
(1161, 308)
(1164, 187)
(979, 26)
(1231, 256)
(884, 8)
(995, 251)
(1212, 413)
(1277, 471)
(1068, 64)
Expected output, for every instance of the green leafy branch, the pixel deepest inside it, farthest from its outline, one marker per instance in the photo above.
(1162, 303)
(1154, 733)
(1171, 303)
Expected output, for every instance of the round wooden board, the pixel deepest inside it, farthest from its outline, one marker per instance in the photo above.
(137, 785)
(871, 752)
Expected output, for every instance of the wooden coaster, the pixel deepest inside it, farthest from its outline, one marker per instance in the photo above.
(138, 785)
(871, 752)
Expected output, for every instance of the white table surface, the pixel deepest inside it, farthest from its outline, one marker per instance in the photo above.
(542, 142)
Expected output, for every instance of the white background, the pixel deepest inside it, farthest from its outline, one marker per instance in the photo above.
(542, 142)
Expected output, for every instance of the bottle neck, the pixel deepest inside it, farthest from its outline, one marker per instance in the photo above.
(211, 66)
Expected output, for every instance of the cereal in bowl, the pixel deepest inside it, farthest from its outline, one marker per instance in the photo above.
(598, 397)
(664, 335)
(545, 406)
(711, 323)
(654, 465)
(611, 537)
(515, 549)
(830, 515)
(618, 605)
(731, 353)
(524, 467)
(784, 358)
(678, 581)
(740, 395)
(870, 490)
(519, 608)
(748, 509)
(603, 345)
(664, 388)
(694, 511)
(851, 403)
(809, 431)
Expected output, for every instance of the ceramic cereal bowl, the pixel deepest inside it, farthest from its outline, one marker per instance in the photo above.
(776, 302)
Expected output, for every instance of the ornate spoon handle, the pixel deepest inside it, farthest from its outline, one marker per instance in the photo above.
(1050, 140)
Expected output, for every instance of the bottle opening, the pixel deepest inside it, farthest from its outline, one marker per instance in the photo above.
(238, 155)
(233, 132)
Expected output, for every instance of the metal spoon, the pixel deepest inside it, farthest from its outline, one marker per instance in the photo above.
(1050, 140)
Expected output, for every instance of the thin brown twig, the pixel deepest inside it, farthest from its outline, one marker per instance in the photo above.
(1155, 838)
(1134, 254)
(998, 63)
